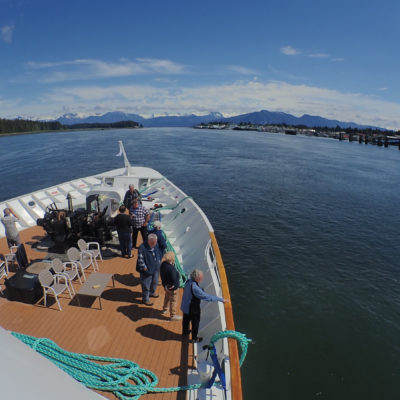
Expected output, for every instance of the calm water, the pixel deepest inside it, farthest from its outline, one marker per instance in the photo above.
(308, 229)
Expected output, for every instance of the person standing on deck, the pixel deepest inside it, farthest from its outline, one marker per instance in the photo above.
(123, 224)
(170, 282)
(9, 221)
(140, 218)
(148, 265)
(160, 235)
(130, 195)
(192, 296)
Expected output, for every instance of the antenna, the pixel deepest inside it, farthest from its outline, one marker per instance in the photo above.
(122, 153)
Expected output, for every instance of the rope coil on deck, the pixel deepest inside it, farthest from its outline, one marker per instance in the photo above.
(124, 378)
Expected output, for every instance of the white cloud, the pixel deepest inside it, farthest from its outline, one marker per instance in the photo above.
(318, 55)
(382, 89)
(82, 69)
(289, 51)
(241, 70)
(230, 99)
(9, 104)
(164, 80)
(7, 33)
(163, 66)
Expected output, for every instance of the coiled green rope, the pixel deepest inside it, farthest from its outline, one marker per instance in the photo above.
(124, 378)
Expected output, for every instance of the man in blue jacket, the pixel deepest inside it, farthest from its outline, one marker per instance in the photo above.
(148, 265)
(191, 299)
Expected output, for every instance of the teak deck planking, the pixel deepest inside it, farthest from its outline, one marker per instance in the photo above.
(124, 328)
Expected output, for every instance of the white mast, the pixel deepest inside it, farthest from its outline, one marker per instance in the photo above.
(126, 161)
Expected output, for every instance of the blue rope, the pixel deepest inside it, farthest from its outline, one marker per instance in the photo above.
(149, 194)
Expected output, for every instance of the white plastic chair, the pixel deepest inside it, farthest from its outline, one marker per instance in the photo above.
(83, 259)
(3, 272)
(51, 284)
(61, 268)
(91, 247)
(10, 257)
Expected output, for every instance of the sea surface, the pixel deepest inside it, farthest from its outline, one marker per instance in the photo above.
(309, 233)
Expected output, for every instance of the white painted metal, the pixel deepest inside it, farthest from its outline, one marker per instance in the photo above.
(24, 374)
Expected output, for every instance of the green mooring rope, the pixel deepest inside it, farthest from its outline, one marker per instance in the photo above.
(124, 378)
(182, 274)
(173, 207)
(146, 188)
(178, 266)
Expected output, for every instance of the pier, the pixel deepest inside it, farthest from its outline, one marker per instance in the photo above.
(378, 140)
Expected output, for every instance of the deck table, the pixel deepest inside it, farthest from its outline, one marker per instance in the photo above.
(95, 285)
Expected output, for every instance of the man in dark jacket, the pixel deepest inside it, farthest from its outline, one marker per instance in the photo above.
(123, 224)
(170, 282)
(130, 195)
(148, 265)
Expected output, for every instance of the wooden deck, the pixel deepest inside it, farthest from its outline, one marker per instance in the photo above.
(123, 328)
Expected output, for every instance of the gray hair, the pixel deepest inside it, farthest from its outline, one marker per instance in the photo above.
(132, 185)
(195, 274)
(157, 224)
(152, 236)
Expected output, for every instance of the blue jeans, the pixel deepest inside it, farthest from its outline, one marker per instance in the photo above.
(149, 284)
(125, 243)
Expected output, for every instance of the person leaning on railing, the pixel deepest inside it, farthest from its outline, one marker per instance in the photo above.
(192, 296)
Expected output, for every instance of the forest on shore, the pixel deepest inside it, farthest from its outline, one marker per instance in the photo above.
(10, 126)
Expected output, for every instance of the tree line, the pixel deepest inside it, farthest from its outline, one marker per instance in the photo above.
(25, 125)
(8, 126)
(120, 124)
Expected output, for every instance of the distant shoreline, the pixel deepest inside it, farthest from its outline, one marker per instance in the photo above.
(60, 130)
(20, 126)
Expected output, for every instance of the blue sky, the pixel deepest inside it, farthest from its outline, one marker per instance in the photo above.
(335, 59)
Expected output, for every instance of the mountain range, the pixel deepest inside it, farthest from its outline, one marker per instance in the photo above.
(259, 117)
